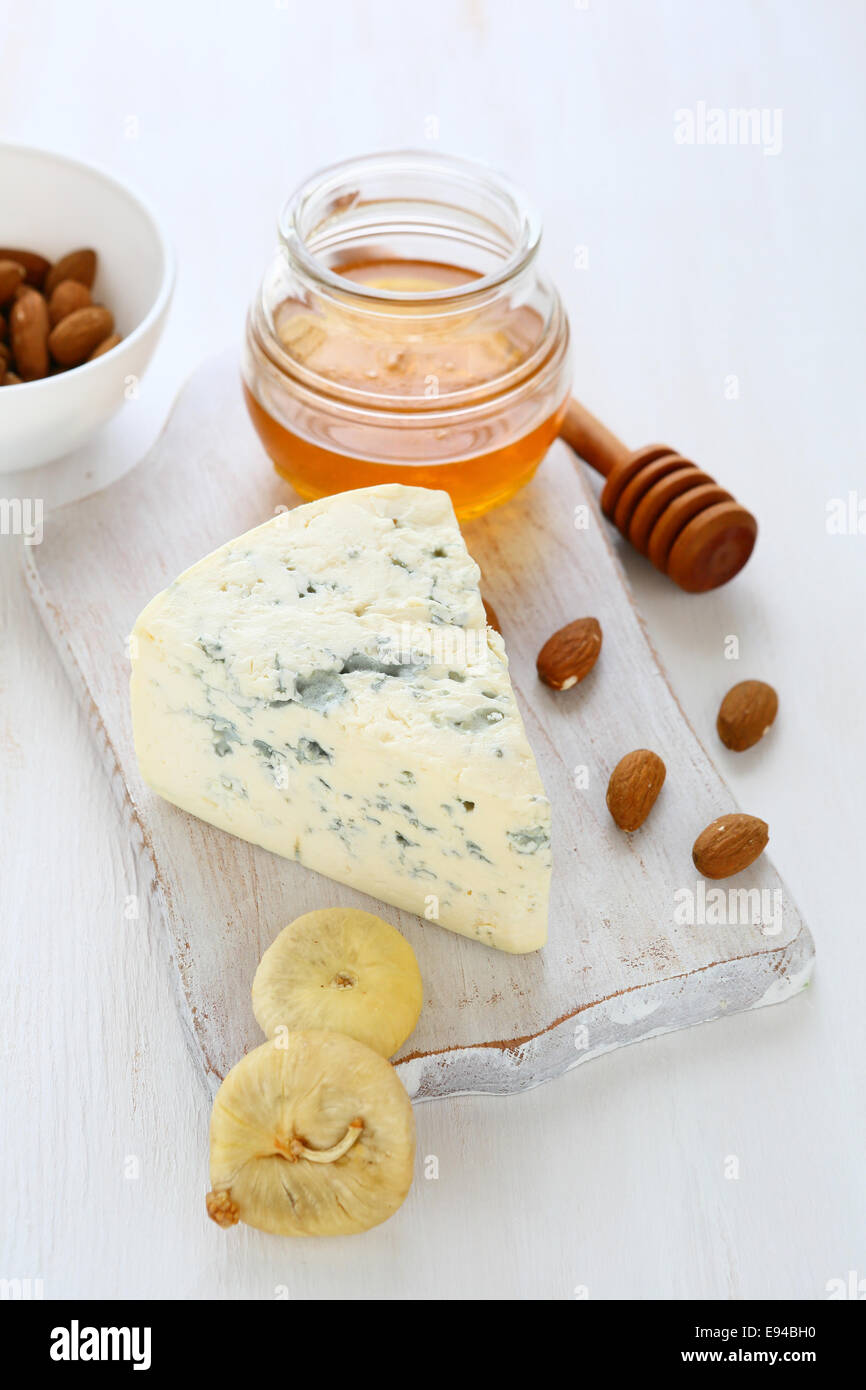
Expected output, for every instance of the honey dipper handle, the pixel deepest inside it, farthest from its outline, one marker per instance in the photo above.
(592, 440)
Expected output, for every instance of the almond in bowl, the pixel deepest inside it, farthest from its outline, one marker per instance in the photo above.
(86, 278)
(55, 327)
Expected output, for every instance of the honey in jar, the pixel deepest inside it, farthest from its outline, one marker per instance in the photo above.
(369, 359)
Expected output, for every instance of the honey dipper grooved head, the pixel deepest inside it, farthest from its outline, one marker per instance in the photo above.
(675, 516)
(713, 547)
(635, 491)
(689, 527)
(659, 498)
(622, 473)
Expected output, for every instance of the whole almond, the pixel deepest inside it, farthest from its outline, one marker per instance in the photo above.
(73, 339)
(66, 297)
(746, 714)
(11, 379)
(11, 275)
(5, 354)
(36, 267)
(28, 328)
(77, 265)
(634, 785)
(570, 654)
(492, 620)
(729, 844)
(110, 342)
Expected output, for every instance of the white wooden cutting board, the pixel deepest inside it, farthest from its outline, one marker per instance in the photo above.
(618, 967)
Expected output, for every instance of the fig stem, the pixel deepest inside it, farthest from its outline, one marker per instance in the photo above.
(299, 1150)
(221, 1208)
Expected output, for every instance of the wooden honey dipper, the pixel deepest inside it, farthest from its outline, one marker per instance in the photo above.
(689, 527)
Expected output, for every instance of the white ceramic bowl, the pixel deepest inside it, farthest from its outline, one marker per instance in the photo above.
(53, 204)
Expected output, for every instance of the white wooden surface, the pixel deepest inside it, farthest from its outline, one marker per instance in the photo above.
(703, 263)
(618, 965)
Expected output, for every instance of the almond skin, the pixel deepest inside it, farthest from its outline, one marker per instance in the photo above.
(28, 327)
(746, 714)
(66, 297)
(729, 845)
(110, 342)
(77, 265)
(36, 267)
(11, 275)
(634, 786)
(570, 654)
(74, 338)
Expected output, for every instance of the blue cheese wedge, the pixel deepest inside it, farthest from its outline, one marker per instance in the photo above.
(326, 686)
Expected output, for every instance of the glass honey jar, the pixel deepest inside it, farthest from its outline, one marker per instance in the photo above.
(403, 333)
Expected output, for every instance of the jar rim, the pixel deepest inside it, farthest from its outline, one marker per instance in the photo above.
(460, 172)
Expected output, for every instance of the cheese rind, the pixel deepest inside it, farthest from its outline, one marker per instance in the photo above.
(326, 686)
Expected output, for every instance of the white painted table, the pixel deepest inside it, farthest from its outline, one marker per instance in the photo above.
(717, 297)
